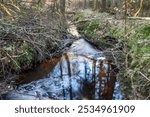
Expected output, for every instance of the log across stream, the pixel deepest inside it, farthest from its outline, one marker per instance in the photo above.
(81, 73)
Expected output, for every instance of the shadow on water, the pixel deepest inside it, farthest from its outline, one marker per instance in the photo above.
(71, 76)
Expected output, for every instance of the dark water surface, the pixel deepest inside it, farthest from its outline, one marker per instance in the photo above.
(81, 73)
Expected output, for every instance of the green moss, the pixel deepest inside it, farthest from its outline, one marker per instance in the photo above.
(78, 17)
(25, 57)
(28, 49)
(117, 32)
(89, 28)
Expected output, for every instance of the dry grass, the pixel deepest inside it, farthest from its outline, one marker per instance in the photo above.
(28, 37)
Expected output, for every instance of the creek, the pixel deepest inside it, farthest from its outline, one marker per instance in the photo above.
(81, 73)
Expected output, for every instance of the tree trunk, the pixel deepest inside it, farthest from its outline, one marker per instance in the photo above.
(95, 4)
(84, 4)
(103, 5)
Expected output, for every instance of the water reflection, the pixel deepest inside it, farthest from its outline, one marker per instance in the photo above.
(69, 77)
(73, 77)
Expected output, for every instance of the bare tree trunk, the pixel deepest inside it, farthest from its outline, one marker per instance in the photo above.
(103, 5)
(95, 4)
(84, 4)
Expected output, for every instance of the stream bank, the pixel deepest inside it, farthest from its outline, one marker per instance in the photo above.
(30, 37)
(129, 48)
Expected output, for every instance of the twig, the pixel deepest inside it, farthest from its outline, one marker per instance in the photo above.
(12, 60)
(144, 76)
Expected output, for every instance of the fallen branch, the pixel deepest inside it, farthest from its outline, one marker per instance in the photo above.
(13, 60)
(139, 18)
(144, 76)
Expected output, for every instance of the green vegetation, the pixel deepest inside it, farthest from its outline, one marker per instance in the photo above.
(137, 44)
(89, 28)
(132, 49)
(139, 58)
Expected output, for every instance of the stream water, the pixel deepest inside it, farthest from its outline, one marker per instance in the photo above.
(81, 73)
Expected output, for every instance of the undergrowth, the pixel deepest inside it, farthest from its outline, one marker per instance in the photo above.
(31, 36)
(131, 50)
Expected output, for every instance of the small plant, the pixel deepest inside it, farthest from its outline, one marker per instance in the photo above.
(78, 17)
(89, 28)
(92, 27)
